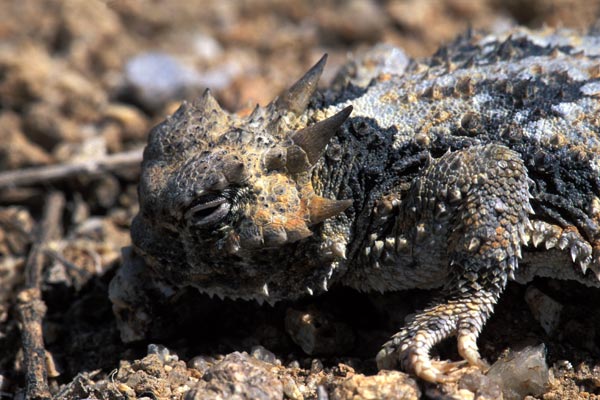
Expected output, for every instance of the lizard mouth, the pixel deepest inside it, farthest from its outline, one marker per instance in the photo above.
(207, 210)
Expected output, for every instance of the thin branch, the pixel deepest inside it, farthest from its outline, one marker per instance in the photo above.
(30, 307)
(36, 175)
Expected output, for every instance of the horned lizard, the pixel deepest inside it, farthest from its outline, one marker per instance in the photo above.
(476, 166)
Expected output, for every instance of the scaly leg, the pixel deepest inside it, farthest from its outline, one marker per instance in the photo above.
(485, 191)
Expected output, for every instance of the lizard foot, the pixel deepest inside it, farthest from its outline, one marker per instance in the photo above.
(436, 371)
(410, 347)
(487, 190)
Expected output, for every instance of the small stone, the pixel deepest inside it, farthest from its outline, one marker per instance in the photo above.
(162, 352)
(16, 150)
(545, 309)
(207, 47)
(389, 385)
(342, 21)
(316, 332)
(46, 126)
(316, 366)
(16, 230)
(238, 376)
(481, 386)
(322, 393)
(291, 390)
(201, 363)
(52, 370)
(92, 148)
(157, 78)
(465, 394)
(93, 246)
(125, 390)
(262, 354)
(521, 373)
(132, 122)
(591, 89)
(563, 365)
(105, 191)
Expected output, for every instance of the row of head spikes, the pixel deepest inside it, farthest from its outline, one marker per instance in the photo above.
(308, 144)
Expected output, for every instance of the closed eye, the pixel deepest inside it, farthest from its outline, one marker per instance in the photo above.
(207, 210)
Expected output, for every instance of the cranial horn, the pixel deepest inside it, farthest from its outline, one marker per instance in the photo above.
(321, 208)
(208, 103)
(313, 139)
(234, 171)
(296, 98)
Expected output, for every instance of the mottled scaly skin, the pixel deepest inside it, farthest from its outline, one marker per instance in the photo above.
(460, 172)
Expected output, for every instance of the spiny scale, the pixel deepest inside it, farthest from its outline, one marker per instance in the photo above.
(296, 98)
(314, 138)
(321, 208)
(208, 103)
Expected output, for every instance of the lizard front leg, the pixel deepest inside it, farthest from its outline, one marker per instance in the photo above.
(478, 198)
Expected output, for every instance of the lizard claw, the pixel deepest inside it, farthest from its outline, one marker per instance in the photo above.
(411, 346)
(467, 348)
(413, 356)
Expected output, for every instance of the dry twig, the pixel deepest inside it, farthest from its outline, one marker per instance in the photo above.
(31, 308)
(36, 175)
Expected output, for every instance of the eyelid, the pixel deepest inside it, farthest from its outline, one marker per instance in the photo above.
(203, 206)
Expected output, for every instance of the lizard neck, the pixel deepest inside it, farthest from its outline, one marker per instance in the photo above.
(361, 164)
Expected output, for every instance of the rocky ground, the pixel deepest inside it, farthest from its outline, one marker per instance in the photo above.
(81, 82)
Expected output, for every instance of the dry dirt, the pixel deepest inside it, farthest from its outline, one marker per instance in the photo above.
(67, 94)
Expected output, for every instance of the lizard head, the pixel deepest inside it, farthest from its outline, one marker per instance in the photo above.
(227, 187)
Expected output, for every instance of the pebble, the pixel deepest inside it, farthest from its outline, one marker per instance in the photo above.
(105, 191)
(207, 47)
(322, 393)
(545, 309)
(201, 363)
(131, 121)
(90, 149)
(17, 151)
(317, 332)
(162, 352)
(156, 78)
(238, 376)
(343, 21)
(262, 354)
(591, 89)
(389, 385)
(45, 126)
(16, 232)
(291, 390)
(480, 386)
(521, 373)
(316, 366)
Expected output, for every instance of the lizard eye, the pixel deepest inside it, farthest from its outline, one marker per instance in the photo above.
(207, 210)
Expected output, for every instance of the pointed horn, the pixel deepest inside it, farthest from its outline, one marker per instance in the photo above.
(314, 138)
(208, 103)
(296, 98)
(310, 142)
(321, 208)
(256, 113)
(234, 171)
